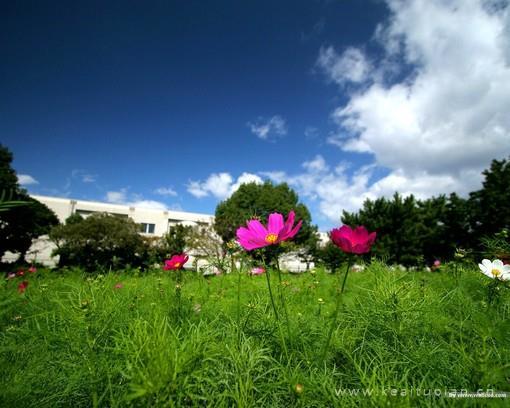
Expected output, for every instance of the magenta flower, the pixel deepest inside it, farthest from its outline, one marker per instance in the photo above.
(118, 285)
(259, 270)
(357, 241)
(20, 272)
(32, 269)
(258, 236)
(22, 287)
(176, 262)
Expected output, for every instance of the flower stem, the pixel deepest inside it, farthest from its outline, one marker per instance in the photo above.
(239, 305)
(284, 344)
(178, 294)
(335, 315)
(345, 276)
(282, 300)
(271, 294)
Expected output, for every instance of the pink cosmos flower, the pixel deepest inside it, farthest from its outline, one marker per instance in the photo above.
(176, 262)
(32, 269)
(22, 287)
(437, 263)
(118, 285)
(258, 236)
(258, 270)
(20, 272)
(357, 241)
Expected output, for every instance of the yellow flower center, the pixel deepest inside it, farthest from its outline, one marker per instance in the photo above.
(271, 238)
(177, 264)
(496, 272)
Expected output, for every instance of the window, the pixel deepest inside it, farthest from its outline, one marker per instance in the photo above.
(147, 228)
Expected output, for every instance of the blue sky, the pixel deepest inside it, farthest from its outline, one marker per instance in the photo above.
(166, 103)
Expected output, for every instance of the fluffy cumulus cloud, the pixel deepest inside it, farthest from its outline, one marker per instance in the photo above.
(436, 128)
(337, 188)
(26, 180)
(265, 128)
(133, 200)
(220, 185)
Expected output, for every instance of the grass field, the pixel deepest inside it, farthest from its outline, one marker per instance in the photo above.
(74, 340)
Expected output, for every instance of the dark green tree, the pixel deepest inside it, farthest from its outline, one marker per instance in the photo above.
(20, 224)
(175, 240)
(99, 242)
(490, 207)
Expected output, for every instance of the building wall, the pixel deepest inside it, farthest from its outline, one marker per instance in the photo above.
(41, 249)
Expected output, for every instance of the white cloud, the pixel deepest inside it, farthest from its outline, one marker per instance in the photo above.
(26, 180)
(88, 178)
(350, 66)
(264, 128)
(220, 185)
(311, 132)
(436, 129)
(166, 191)
(83, 175)
(317, 165)
(116, 197)
(335, 190)
(134, 200)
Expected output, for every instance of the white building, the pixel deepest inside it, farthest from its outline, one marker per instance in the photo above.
(152, 222)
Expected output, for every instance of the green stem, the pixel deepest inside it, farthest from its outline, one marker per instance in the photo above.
(284, 343)
(282, 299)
(239, 305)
(345, 276)
(178, 294)
(335, 315)
(271, 294)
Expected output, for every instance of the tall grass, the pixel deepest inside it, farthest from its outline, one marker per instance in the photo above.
(75, 340)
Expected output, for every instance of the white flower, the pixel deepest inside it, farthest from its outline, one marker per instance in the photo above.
(495, 269)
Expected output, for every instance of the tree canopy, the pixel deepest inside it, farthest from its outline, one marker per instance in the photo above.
(20, 224)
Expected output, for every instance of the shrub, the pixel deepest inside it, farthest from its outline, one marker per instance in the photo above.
(99, 241)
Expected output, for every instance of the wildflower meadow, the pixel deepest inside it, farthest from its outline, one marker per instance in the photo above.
(362, 334)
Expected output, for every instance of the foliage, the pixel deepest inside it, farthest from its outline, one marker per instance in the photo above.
(331, 256)
(21, 223)
(309, 250)
(498, 246)
(205, 244)
(78, 341)
(411, 231)
(156, 249)
(24, 221)
(99, 241)
(6, 201)
(490, 206)
(175, 240)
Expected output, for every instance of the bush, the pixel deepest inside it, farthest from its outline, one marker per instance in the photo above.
(100, 241)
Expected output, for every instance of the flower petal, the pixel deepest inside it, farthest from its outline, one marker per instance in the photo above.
(275, 223)
(257, 228)
(497, 264)
(487, 264)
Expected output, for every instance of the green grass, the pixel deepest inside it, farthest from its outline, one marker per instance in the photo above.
(75, 340)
